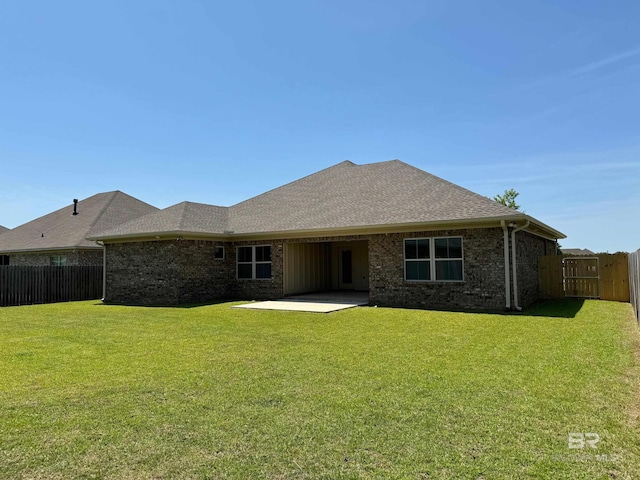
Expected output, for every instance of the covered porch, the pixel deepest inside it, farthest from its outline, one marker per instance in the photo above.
(331, 266)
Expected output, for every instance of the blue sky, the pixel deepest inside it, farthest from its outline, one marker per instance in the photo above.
(215, 102)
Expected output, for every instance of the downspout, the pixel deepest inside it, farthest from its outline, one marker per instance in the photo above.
(507, 280)
(104, 269)
(514, 265)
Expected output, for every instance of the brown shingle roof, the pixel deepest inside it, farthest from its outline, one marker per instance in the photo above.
(343, 196)
(181, 218)
(3, 229)
(63, 230)
(348, 195)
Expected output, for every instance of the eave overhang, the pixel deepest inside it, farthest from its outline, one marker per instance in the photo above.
(535, 227)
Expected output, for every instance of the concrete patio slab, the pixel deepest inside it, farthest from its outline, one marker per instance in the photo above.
(296, 306)
(314, 302)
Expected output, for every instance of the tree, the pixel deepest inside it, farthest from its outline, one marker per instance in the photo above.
(508, 199)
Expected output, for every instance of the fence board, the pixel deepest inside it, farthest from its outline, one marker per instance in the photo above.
(581, 277)
(582, 288)
(634, 281)
(614, 277)
(550, 277)
(613, 270)
(29, 285)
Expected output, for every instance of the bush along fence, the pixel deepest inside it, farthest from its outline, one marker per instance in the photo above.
(634, 281)
(29, 285)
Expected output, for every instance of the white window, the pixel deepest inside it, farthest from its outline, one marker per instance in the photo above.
(218, 252)
(254, 262)
(433, 259)
(58, 260)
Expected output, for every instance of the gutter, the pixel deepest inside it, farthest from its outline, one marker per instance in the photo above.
(514, 257)
(507, 279)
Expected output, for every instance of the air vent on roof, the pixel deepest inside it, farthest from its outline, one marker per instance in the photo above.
(75, 206)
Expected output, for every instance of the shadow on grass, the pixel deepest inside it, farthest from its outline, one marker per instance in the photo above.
(181, 306)
(563, 308)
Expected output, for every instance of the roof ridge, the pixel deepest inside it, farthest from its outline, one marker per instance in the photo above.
(103, 209)
(90, 227)
(186, 204)
(182, 214)
(201, 203)
(459, 187)
(344, 163)
(134, 198)
(156, 212)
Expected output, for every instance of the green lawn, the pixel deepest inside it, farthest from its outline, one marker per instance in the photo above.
(95, 391)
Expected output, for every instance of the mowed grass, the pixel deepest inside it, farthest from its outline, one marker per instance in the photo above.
(95, 391)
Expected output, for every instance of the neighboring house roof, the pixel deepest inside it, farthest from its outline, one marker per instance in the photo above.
(63, 230)
(577, 251)
(3, 229)
(345, 197)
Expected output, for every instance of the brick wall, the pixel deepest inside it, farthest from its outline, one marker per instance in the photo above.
(483, 287)
(167, 272)
(74, 257)
(177, 272)
(262, 289)
(529, 248)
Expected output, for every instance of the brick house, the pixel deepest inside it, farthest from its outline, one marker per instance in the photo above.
(407, 237)
(60, 237)
(4, 259)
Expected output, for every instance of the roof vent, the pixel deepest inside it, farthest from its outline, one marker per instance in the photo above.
(75, 206)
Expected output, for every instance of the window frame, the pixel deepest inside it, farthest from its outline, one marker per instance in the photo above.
(58, 260)
(433, 260)
(428, 260)
(254, 262)
(217, 248)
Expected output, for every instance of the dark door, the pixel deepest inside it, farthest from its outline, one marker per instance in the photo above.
(346, 269)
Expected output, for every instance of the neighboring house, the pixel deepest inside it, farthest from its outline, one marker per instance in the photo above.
(4, 259)
(60, 238)
(407, 237)
(580, 252)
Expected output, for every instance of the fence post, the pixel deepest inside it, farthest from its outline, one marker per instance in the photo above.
(634, 281)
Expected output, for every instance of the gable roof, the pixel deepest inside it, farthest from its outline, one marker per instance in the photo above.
(342, 197)
(63, 230)
(3, 229)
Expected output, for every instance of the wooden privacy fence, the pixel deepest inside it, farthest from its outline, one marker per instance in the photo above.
(29, 285)
(603, 276)
(634, 281)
